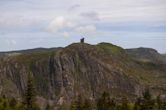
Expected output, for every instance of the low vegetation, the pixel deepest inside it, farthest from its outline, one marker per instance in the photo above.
(104, 102)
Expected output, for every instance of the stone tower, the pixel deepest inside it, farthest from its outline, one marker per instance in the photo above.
(82, 40)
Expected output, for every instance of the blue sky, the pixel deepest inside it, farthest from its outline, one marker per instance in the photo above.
(28, 24)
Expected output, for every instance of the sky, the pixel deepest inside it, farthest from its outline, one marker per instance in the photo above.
(26, 24)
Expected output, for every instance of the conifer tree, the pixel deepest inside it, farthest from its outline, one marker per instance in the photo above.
(124, 105)
(87, 105)
(13, 104)
(148, 102)
(104, 103)
(159, 102)
(81, 104)
(49, 107)
(137, 104)
(30, 94)
(77, 104)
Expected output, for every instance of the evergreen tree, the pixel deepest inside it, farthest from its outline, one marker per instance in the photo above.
(148, 102)
(81, 104)
(137, 104)
(87, 105)
(49, 107)
(1, 102)
(13, 104)
(77, 104)
(147, 95)
(124, 105)
(30, 94)
(159, 102)
(113, 104)
(4, 103)
(163, 107)
(104, 103)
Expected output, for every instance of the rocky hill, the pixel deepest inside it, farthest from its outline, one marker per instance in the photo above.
(62, 73)
(147, 55)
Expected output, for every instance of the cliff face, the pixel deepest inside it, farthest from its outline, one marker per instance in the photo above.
(60, 74)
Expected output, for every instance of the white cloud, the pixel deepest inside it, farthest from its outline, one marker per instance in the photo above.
(64, 27)
(109, 11)
(59, 23)
(86, 29)
(41, 15)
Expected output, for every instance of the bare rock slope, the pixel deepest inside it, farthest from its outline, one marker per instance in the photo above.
(62, 73)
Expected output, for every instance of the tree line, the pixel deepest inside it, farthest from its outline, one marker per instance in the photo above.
(104, 102)
(146, 102)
